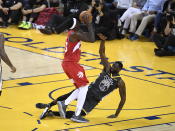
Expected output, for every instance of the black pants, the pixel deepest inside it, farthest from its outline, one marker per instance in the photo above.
(160, 22)
(34, 16)
(55, 20)
(88, 106)
(117, 13)
(165, 45)
(13, 14)
(60, 23)
(164, 42)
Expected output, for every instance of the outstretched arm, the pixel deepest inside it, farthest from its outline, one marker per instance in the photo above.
(88, 36)
(122, 92)
(3, 54)
(103, 57)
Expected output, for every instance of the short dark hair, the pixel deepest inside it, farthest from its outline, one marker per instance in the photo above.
(119, 63)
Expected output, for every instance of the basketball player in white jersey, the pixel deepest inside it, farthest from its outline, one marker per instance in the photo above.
(5, 58)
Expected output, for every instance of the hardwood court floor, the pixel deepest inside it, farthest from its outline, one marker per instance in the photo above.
(150, 83)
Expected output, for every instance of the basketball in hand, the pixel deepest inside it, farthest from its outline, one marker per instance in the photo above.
(85, 17)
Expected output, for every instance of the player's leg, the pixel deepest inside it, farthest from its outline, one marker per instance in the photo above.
(62, 105)
(91, 101)
(54, 102)
(70, 70)
(80, 102)
(77, 73)
(82, 82)
(48, 106)
(80, 95)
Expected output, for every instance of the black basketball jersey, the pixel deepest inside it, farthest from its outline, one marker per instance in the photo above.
(104, 84)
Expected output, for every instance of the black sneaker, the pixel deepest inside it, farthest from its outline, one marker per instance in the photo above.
(131, 35)
(5, 25)
(1, 24)
(45, 112)
(46, 30)
(62, 109)
(79, 119)
(41, 105)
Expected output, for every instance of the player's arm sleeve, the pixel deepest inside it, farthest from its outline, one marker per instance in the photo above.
(88, 36)
(104, 60)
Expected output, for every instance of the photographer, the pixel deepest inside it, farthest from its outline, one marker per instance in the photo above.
(102, 20)
(163, 16)
(166, 44)
(74, 7)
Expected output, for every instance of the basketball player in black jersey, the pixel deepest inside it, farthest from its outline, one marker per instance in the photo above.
(108, 80)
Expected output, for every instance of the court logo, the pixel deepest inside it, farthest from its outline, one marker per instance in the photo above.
(80, 74)
(105, 84)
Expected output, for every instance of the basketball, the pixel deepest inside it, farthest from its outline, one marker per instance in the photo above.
(85, 17)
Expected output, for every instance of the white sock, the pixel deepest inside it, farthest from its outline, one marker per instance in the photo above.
(123, 32)
(72, 97)
(119, 23)
(81, 99)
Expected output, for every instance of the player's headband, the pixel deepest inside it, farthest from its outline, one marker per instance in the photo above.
(74, 23)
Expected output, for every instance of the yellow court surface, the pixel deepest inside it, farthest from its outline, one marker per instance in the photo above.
(150, 84)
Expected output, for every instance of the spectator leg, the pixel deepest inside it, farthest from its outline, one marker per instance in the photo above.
(144, 23)
(134, 20)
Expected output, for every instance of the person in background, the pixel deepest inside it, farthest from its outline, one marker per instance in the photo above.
(9, 12)
(126, 17)
(121, 6)
(102, 19)
(149, 11)
(30, 12)
(163, 17)
(166, 44)
(58, 23)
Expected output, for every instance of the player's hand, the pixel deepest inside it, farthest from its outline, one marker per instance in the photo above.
(101, 36)
(87, 19)
(112, 116)
(5, 10)
(25, 12)
(13, 69)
